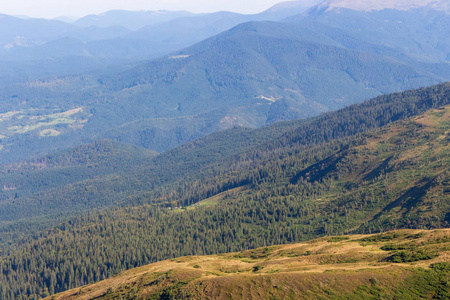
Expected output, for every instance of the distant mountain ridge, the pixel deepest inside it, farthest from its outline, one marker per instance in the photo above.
(293, 5)
(111, 38)
(132, 20)
(284, 9)
(97, 41)
(419, 31)
(254, 74)
(374, 5)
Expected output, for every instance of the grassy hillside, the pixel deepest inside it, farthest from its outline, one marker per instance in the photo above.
(292, 188)
(402, 264)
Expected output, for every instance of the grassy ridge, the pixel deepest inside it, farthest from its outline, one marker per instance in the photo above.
(354, 266)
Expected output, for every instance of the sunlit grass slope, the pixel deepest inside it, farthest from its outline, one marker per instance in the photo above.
(405, 264)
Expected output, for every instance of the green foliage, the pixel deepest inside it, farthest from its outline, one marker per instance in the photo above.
(99, 181)
(391, 247)
(257, 268)
(410, 256)
(259, 253)
(383, 237)
(432, 283)
(443, 267)
(324, 176)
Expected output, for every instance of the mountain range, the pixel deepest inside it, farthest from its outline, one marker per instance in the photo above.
(377, 5)
(91, 212)
(212, 144)
(38, 47)
(252, 75)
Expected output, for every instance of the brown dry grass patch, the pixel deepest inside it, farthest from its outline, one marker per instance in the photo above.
(309, 269)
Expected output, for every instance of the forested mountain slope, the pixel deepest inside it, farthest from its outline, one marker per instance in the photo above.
(42, 190)
(253, 75)
(352, 266)
(300, 185)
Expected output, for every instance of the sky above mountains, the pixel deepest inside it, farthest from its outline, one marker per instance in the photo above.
(79, 8)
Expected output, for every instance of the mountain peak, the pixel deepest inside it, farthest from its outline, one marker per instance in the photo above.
(293, 5)
(371, 5)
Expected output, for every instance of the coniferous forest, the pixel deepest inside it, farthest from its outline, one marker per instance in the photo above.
(371, 167)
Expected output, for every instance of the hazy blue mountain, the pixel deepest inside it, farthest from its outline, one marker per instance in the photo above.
(254, 74)
(19, 32)
(379, 5)
(66, 19)
(420, 31)
(285, 9)
(116, 37)
(186, 30)
(27, 45)
(96, 33)
(132, 20)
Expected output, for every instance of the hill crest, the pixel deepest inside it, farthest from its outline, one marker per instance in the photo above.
(373, 5)
(329, 267)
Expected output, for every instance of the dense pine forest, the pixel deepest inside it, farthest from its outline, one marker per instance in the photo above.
(371, 167)
(102, 174)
